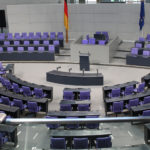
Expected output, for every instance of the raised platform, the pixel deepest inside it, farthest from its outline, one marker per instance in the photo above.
(137, 60)
(98, 53)
(74, 78)
(25, 56)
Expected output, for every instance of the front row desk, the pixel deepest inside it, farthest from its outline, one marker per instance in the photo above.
(74, 78)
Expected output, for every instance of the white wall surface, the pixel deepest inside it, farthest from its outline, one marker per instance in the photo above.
(118, 19)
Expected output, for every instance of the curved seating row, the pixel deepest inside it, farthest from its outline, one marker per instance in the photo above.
(40, 90)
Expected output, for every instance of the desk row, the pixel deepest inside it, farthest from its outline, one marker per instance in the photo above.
(37, 91)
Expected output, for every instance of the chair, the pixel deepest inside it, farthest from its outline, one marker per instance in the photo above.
(30, 49)
(146, 100)
(80, 143)
(51, 49)
(138, 45)
(6, 43)
(38, 34)
(134, 51)
(31, 34)
(9, 36)
(20, 49)
(128, 90)
(72, 126)
(16, 88)
(91, 40)
(148, 46)
(26, 43)
(5, 100)
(39, 93)
(16, 34)
(52, 126)
(83, 107)
(140, 88)
(146, 53)
(58, 143)
(84, 95)
(36, 42)
(10, 49)
(16, 43)
(26, 91)
(44, 37)
(8, 85)
(117, 107)
(19, 103)
(103, 142)
(33, 107)
(92, 125)
(142, 39)
(68, 95)
(114, 93)
(132, 102)
(56, 42)
(148, 37)
(106, 35)
(146, 113)
(65, 107)
(52, 36)
(41, 49)
(102, 42)
(3, 139)
(1, 67)
(84, 41)
(46, 42)
(60, 37)
(1, 49)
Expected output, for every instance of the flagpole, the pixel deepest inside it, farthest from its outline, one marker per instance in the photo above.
(66, 35)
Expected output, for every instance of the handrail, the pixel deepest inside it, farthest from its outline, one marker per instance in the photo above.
(76, 120)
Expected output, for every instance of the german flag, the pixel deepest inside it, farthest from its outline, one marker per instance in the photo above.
(66, 15)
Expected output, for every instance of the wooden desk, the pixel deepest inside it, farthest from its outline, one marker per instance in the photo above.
(47, 89)
(74, 103)
(43, 102)
(80, 114)
(10, 110)
(11, 131)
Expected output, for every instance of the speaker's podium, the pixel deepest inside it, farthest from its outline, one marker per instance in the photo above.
(84, 61)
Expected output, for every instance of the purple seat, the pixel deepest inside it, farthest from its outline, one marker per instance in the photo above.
(31, 34)
(87, 37)
(80, 143)
(36, 37)
(51, 49)
(5, 100)
(18, 37)
(58, 143)
(10, 49)
(134, 51)
(41, 49)
(141, 39)
(3, 139)
(138, 45)
(146, 53)
(84, 95)
(148, 37)
(98, 32)
(24, 34)
(60, 37)
(26, 91)
(106, 35)
(52, 126)
(92, 125)
(83, 107)
(148, 46)
(19, 103)
(91, 40)
(9, 36)
(6, 43)
(33, 107)
(103, 142)
(36, 42)
(26, 43)
(114, 93)
(16, 43)
(68, 95)
(1, 67)
(30, 49)
(46, 34)
(1, 49)
(8, 85)
(20, 49)
(60, 33)
(117, 107)
(16, 34)
(52, 36)
(72, 126)
(101, 42)
(16, 88)
(146, 100)
(84, 41)
(56, 42)
(38, 33)
(46, 42)
(146, 113)
(128, 90)
(132, 102)
(140, 88)
(65, 107)
(39, 93)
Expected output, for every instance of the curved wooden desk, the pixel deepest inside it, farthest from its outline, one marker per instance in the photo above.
(74, 78)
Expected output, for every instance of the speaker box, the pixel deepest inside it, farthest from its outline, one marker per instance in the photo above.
(2, 18)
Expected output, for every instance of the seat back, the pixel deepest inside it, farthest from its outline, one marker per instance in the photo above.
(68, 95)
(18, 103)
(146, 113)
(134, 51)
(141, 87)
(5, 100)
(129, 90)
(83, 107)
(38, 93)
(65, 107)
(32, 106)
(84, 95)
(146, 99)
(16, 88)
(80, 143)
(52, 126)
(92, 125)
(58, 143)
(115, 92)
(117, 107)
(26, 91)
(103, 142)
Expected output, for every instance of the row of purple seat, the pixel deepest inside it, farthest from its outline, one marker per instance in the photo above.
(145, 52)
(31, 35)
(92, 41)
(26, 91)
(145, 39)
(30, 49)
